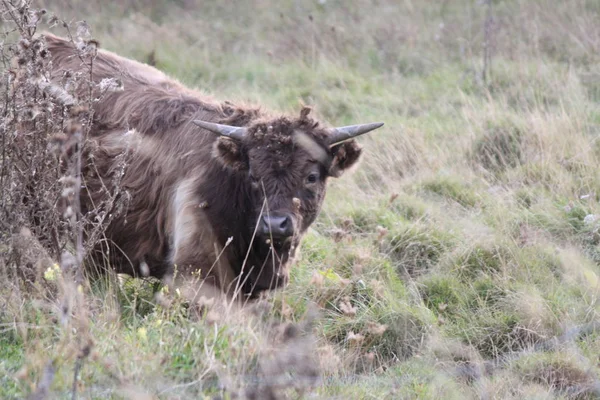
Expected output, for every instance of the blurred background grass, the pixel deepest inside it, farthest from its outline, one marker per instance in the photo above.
(468, 234)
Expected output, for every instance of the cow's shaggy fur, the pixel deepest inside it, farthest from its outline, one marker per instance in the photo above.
(195, 198)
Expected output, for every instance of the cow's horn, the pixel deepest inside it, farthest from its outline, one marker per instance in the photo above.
(234, 132)
(337, 135)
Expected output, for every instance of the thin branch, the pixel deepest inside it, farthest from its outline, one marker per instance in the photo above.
(43, 387)
(487, 32)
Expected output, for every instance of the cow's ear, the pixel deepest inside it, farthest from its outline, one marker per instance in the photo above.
(345, 156)
(231, 153)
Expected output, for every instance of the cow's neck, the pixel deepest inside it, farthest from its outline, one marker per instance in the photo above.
(229, 209)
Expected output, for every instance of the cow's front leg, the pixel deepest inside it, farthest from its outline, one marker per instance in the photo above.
(200, 269)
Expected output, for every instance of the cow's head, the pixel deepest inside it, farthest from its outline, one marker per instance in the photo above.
(287, 163)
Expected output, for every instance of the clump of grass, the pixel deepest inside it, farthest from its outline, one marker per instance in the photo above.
(499, 148)
(534, 311)
(366, 219)
(452, 189)
(380, 335)
(415, 249)
(562, 372)
(483, 260)
(496, 333)
(498, 320)
(409, 207)
(540, 265)
(404, 334)
(485, 292)
(526, 197)
(443, 295)
(575, 214)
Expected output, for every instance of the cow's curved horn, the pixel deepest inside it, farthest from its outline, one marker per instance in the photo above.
(337, 135)
(234, 132)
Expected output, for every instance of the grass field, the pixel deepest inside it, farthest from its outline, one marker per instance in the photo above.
(460, 260)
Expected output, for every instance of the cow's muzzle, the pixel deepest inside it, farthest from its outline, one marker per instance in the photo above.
(278, 226)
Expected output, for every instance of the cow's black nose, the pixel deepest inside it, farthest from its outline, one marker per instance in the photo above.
(277, 225)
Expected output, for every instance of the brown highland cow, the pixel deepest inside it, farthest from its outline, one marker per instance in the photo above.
(219, 194)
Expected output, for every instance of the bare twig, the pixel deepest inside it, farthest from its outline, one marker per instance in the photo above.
(487, 33)
(83, 354)
(43, 387)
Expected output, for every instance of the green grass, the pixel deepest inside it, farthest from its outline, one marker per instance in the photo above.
(464, 236)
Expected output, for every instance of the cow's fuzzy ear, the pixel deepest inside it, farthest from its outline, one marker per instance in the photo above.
(231, 153)
(345, 156)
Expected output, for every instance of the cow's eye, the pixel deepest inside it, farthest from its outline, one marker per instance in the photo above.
(312, 178)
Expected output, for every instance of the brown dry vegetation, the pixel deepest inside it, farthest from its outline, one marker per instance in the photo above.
(461, 260)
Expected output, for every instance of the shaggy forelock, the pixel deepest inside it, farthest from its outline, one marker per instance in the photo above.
(310, 145)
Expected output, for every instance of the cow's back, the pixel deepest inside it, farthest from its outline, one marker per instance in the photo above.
(151, 103)
(106, 64)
